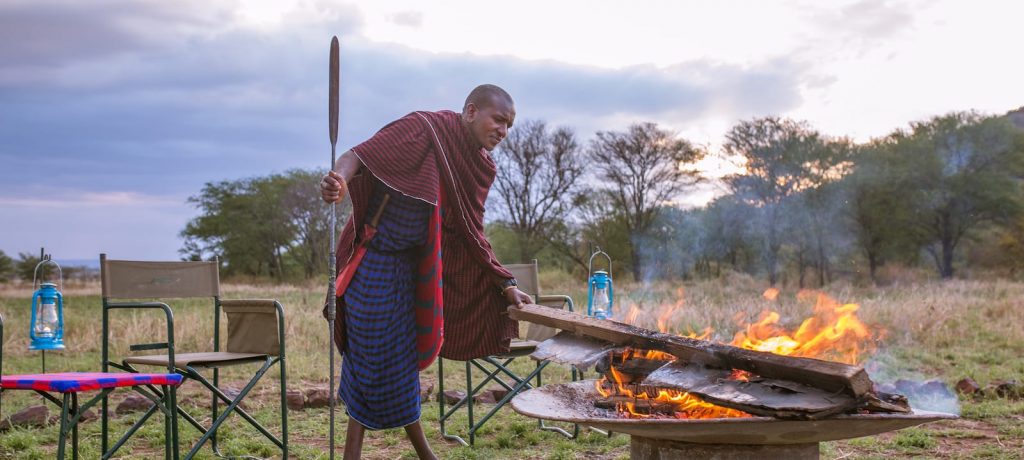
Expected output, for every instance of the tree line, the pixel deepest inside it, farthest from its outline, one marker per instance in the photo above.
(24, 268)
(802, 207)
(943, 193)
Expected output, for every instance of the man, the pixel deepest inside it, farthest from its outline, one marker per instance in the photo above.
(426, 176)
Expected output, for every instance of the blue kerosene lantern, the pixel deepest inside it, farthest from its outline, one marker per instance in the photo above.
(600, 295)
(47, 328)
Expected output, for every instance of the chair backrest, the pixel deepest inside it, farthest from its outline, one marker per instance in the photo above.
(528, 278)
(253, 326)
(130, 279)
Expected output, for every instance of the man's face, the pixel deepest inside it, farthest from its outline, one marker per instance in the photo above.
(490, 123)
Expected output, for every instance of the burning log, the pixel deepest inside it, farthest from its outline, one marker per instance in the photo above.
(630, 368)
(826, 375)
(637, 406)
(758, 396)
(886, 402)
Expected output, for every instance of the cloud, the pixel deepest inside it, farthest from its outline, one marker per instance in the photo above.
(53, 34)
(84, 199)
(878, 19)
(129, 102)
(859, 27)
(385, 78)
(223, 107)
(412, 19)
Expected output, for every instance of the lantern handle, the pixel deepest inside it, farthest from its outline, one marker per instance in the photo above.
(590, 264)
(47, 259)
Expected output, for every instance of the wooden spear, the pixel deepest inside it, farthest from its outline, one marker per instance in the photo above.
(332, 109)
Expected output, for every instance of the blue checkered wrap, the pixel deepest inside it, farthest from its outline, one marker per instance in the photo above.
(379, 381)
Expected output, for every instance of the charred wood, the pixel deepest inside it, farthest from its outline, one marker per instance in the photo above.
(832, 377)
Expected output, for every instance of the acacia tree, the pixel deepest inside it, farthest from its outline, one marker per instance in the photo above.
(726, 238)
(537, 183)
(25, 267)
(641, 170)
(965, 167)
(244, 223)
(309, 217)
(6, 267)
(778, 155)
(813, 214)
(879, 198)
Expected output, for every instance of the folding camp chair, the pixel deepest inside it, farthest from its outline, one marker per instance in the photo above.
(255, 336)
(70, 384)
(496, 368)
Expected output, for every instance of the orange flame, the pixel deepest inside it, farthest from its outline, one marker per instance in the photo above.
(667, 313)
(832, 332)
(633, 314)
(686, 406)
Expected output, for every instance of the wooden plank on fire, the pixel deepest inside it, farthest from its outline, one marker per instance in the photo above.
(758, 396)
(826, 375)
(640, 406)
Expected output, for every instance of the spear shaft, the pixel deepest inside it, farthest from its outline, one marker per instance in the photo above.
(332, 108)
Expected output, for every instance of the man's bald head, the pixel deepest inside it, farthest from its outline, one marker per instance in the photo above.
(488, 114)
(487, 95)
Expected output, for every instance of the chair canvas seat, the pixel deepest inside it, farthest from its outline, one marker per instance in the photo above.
(73, 382)
(519, 348)
(208, 359)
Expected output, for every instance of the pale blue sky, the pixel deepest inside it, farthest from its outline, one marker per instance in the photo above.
(112, 113)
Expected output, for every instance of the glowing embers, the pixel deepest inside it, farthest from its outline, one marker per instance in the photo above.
(622, 392)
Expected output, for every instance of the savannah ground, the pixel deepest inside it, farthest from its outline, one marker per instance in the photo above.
(932, 329)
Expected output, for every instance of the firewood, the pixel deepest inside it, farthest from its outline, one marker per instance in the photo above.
(758, 396)
(885, 402)
(629, 370)
(826, 375)
(640, 406)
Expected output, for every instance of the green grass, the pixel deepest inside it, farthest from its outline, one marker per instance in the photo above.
(937, 330)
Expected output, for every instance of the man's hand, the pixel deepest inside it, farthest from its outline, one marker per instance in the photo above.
(517, 298)
(333, 188)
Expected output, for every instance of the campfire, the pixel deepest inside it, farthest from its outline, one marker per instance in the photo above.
(833, 332)
(768, 393)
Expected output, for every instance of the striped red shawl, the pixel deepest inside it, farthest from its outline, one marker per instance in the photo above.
(417, 155)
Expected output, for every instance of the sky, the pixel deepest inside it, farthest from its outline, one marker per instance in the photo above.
(114, 112)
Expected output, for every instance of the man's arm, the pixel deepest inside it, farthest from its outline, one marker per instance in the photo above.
(334, 185)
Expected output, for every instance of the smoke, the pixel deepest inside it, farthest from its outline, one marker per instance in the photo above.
(924, 392)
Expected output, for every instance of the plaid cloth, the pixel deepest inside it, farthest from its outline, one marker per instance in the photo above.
(379, 377)
(73, 382)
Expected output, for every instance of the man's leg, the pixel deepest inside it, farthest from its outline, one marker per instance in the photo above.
(354, 440)
(419, 441)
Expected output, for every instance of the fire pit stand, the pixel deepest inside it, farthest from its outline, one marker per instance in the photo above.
(759, 438)
(642, 448)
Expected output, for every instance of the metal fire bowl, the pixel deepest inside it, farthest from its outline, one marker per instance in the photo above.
(573, 402)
